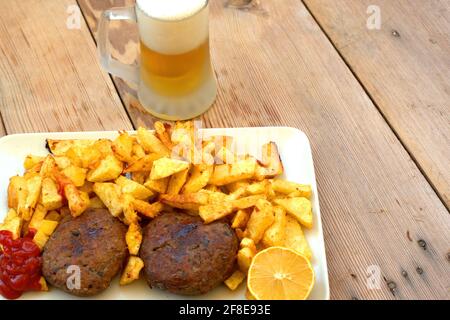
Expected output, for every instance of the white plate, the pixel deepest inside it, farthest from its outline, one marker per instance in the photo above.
(297, 159)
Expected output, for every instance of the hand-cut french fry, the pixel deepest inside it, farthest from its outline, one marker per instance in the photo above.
(270, 166)
(238, 185)
(166, 167)
(62, 162)
(225, 156)
(38, 216)
(190, 201)
(139, 152)
(199, 176)
(76, 174)
(260, 220)
(144, 163)
(12, 223)
(52, 215)
(248, 202)
(43, 284)
(47, 227)
(240, 219)
(275, 234)
(213, 212)
(244, 259)
(40, 239)
(217, 197)
(228, 173)
(60, 147)
(33, 190)
(147, 209)
(133, 238)
(84, 156)
(78, 201)
(17, 186)
(50, 197)
(140, 176)
(48, 166)
(108, 169)
(31, 160)
(122, 147)
(130, 214)
(159, 186)
(110, 194)
(96, 203)
(295, 238)
(177, 182)
(248, 243)
(163, 132)
(287, 187)
(104, 146)
(235, 280)
(151, 143)
(138, 191)
(300, 208)
(132, 270)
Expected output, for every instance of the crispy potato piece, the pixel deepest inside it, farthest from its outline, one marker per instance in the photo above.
(76, 174)
(163, 132)
(108, 169)
(177, 182)
(104, 146)
(295, 238)
(238, 185)
(228, 173)
(138, 191)
(248, 243)
(241, 234)
(96, 203)
(262, 187)
(130, 214)
(48, 166)
(275, 234)
(151, 143)
(147, 209)
(190, 201)
(47, 227)
(133, 238)
(300, 208)
(260, 220)
(13, 223)
(78, 201)
(60, 147)
(43, 284)
(84, 156)
(166, 167)
(52, 216)
(240, 219)
(144, 163)
(132, 270)
(198, 178)
(122, 147)
(216, 197)
(235, 280)
(291, 188)
(38, 216)
(33, 190)
(213, 212)
(140, 176)
(138, 151)
(247, 202)
(159, 186)
(270, 166)
(31, 161)
(225, 156)
(17, 185)
(40, 239)
(110, 194)
(50, 197)
(244, 259)
(62, 162)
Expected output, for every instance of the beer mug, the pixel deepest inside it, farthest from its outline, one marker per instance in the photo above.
(174, 75)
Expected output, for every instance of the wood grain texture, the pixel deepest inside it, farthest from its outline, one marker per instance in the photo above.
(405, 66)
(50, 75)
(276, 67)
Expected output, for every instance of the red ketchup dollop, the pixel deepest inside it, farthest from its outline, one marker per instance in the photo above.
(20, 265)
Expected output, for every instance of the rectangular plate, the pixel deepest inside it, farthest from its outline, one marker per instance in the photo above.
(296, 155)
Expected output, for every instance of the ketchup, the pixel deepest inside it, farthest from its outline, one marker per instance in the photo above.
(20, 265)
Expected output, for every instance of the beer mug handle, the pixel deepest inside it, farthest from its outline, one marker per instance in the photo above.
(127, 72)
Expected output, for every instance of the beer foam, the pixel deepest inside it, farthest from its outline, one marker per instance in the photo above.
(171, 9)
(172, 26)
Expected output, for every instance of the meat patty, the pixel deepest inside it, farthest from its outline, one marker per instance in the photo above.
(185, 256)
(95, 243)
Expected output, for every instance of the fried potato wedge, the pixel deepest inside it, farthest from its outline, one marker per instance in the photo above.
(190, 201)
(17, 188)
(52, 215)
(77, 200)
(13, 223)
(48, 166)
(300, 208)
(260, 220)
(38, 216)
(275, 234)
(165, 167)
(248, 202)
(84, 156)
(133, 238)
(144, 163)
(47, 227)
(163, 132)
(31, 161)
(198, 178)
(129, 213)
(60, 147)
(213, 212)
(132, 270)
(228, 173)
(159, 186)
(51, 199)
(291, 188)
(138, 191)
(151, 143)
(62, 162)
(110, 194)
(235, 280)
(240, 219)
(147, 209)
(177, 182)
(40, 239)
(96, 203)
(76, 174)
(122, 147)
(295, 238)
(248, 243)
(244, 259)
(108, 169)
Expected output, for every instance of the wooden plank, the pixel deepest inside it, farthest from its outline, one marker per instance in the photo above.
(276, 67)
(405, 66)
(50, 75)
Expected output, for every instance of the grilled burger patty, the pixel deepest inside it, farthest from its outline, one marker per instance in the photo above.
(185, 256)
(94, 242)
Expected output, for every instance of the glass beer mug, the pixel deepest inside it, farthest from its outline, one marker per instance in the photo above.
(175, 77)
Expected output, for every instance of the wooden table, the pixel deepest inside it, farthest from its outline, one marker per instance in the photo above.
(374, 103)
